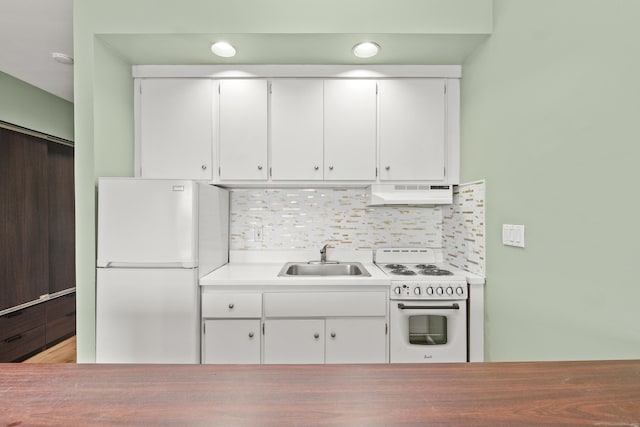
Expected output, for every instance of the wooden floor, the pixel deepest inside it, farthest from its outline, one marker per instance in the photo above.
(64, 352)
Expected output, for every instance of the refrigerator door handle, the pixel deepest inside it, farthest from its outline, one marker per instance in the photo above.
(116, 264)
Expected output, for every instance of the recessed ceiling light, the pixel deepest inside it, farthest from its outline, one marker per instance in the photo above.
(223, 49)
(62, 58)
(366, 49)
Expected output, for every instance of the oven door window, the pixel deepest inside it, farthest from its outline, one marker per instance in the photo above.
(427, 329)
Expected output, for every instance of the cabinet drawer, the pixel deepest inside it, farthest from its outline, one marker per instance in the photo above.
(324, 304)
(21, 321)
(63, 306)
(231, 305)
(61, 327)
(17, 347)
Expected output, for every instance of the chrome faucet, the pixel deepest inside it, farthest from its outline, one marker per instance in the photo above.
(323, 253)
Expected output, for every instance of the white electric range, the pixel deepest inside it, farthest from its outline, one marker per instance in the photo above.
(428, 306)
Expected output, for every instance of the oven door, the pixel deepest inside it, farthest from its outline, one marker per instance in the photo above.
(428, 331)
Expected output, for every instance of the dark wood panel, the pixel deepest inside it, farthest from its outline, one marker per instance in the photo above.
(21, 321)
(61, 306)
(20, 346)
(488, 394)
(61, 318)
(24, 266)
(61, 218)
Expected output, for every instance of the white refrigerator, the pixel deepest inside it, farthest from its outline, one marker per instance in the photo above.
(156, 239)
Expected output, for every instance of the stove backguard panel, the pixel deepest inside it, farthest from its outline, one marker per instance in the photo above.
(464, 228)
(309, 218)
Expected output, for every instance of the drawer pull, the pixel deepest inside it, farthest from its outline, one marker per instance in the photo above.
(316, 335)
(231, 306)
(13, 338)
(333, 334)
(250, 334)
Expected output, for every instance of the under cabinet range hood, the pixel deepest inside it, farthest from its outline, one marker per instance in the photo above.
(423, 195)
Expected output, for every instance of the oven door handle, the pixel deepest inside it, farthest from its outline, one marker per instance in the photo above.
(454, 306)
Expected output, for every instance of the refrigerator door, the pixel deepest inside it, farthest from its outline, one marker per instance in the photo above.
(145, 222)
(147, 316)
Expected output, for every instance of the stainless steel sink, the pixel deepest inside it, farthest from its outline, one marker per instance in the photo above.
(323, 269)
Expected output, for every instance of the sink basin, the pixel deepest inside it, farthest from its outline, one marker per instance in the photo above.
(323, 269)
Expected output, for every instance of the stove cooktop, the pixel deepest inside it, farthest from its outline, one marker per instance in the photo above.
(420, 273)
(415, 269)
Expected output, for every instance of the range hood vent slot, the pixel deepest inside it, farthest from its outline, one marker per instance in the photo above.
(409, 195)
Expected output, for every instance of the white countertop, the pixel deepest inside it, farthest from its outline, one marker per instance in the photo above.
(252, 274)
(258, 268)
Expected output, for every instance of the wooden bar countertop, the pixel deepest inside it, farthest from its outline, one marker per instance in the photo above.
(600, 393)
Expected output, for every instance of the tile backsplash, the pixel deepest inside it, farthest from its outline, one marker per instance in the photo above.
(286, 219)
(282, 219)
(464, 228)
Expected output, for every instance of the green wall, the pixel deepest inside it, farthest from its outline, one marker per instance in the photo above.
(27, 106)
(550, 118)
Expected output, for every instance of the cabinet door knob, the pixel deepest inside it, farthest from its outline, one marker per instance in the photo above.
(387, 167)
(316, 335)
(316, 167)
(259, 167)
(231, 305)
(204, 167)
(333, 334)
(250, 334)
(330, 168)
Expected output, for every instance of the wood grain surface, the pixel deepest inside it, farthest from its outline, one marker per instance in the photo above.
(604, 393)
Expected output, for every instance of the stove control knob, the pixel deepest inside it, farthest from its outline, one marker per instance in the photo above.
(429, 290)
(459, 290)
(398, 290)
(439, 290)
(417, 290)
(449, 290)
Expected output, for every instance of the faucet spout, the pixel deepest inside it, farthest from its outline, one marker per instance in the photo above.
(323, 253)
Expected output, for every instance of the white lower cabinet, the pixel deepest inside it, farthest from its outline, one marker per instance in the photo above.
(356, 340)
(294, 341)
(231, 341)
(312, 327)
(325, 327)
(231, 327)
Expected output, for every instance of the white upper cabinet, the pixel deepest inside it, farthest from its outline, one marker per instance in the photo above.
(350, 130)
(299, 125)
(297, 129)
(412, 130)
(174, 129)
(242, 127)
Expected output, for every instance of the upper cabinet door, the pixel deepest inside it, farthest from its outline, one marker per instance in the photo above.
(243, 129)
(350, 130)
(412, 130)
(176, 127)
(296, 129)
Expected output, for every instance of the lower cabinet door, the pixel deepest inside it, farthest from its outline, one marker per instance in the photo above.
(235, 341)
(356, 340)
(294, 341)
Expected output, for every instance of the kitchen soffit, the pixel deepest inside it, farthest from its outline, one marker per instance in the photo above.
(185, 49)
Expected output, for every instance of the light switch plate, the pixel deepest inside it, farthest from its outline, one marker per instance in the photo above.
(513, 235)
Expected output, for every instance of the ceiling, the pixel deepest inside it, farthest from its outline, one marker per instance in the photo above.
(30, 30)
(293, 48)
